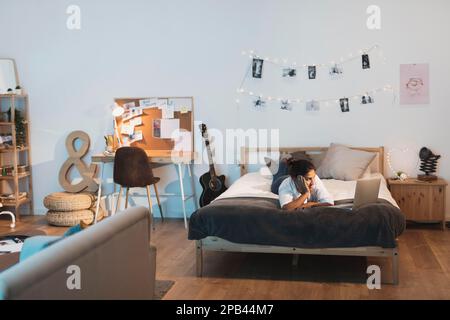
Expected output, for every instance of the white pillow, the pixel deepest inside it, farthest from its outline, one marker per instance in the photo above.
(343, 163)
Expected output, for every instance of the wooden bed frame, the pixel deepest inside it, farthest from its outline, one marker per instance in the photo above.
(218, 244)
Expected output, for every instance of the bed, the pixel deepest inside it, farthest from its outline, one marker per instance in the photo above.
(247, 218)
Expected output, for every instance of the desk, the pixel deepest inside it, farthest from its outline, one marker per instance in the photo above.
(161, 157)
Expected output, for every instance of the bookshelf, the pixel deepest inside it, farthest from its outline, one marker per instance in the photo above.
(16, 185)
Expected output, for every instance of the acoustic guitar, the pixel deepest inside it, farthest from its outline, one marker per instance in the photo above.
(213, 185)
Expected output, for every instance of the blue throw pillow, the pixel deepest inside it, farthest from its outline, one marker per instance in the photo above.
(36, 244)
(72, 230)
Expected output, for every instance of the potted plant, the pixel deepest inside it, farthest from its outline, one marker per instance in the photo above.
(20, 127)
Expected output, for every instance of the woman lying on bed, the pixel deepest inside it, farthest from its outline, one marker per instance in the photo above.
(303, 189)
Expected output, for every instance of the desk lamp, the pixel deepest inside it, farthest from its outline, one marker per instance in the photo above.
(428, 165)
(118, 111)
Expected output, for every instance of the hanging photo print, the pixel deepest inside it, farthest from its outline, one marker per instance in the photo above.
(365, 61)
(336, 71)
(365, 99)
(312, 105)
(286, 105)
(257, 68)
(344, 105)
(289, 72)
(311, 72)
(259, 103)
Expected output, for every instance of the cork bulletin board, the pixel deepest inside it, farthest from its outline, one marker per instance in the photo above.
(156, 113)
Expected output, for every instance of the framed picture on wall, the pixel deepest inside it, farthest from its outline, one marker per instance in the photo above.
(414, 83)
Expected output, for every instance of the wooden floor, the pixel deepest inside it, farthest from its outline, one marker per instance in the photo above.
(424, 268)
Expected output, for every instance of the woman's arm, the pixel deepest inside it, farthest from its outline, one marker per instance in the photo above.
(297, 203)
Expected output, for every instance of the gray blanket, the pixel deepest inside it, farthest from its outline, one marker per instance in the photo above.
(261, 221)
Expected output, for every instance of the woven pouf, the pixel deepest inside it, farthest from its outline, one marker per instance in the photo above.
(69, 218)
(64, 201)
(72, 218)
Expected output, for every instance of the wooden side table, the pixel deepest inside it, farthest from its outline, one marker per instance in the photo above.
(420, 201)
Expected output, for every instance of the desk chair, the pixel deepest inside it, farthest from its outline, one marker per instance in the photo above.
(132, 170)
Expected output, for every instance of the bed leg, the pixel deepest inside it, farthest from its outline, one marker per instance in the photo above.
(295, 260)
(395, 267)
(199, 258)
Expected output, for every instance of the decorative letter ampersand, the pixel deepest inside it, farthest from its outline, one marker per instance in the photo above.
(88, 174)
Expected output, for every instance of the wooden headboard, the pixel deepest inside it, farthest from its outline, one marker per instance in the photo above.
(377, 165)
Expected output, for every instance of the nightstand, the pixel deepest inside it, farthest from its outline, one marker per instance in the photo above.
(420, 201)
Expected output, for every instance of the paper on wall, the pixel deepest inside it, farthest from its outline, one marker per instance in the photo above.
(168, 111)
(184, 109)
(182, 105)
(127, 129)
(137, 136)
(136, 121)
(168, 126)
(129, 105)
(162, 103)
(131, 113)
(148, 102)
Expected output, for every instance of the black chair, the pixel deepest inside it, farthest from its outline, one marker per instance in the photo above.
(133, 170)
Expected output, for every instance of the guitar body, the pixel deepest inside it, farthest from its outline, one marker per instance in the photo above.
(212, 188)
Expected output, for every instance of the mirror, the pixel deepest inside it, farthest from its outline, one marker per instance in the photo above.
(8, 75)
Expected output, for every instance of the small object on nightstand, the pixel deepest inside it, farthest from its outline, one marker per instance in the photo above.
(428, 165)
(421, 201)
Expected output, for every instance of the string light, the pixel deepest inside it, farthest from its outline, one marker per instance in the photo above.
(351, 56)
(300, 99)
(389, 161)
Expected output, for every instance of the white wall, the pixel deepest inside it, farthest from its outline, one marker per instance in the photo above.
(150, 48)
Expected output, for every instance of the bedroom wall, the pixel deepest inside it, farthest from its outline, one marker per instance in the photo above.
(151, 48)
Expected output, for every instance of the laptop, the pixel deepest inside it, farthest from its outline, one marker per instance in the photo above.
(366, 191)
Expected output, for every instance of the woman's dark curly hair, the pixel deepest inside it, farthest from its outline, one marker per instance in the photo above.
(298, 167)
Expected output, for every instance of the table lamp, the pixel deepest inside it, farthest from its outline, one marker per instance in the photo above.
(428, 165)
(117, 111)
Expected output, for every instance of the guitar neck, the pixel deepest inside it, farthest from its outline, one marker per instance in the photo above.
(212, 170)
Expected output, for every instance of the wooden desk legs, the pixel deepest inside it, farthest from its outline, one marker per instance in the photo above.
(180, 174)
(159, 202)
(150, 207)
(191, 175)
(99, 194)
(183, 196)
(119, 195)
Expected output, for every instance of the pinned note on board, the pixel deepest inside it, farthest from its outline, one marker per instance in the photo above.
(127, 129)
(168, 127)
(136, 121)
(148, 102)
(182, 105)
(162, 103)
(168, 111)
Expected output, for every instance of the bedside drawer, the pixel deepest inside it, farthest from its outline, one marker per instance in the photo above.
(420, 203)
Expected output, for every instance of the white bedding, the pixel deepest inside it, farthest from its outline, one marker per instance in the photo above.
(256, 185)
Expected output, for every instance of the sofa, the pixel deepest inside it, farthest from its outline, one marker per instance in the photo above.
(112, 259)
